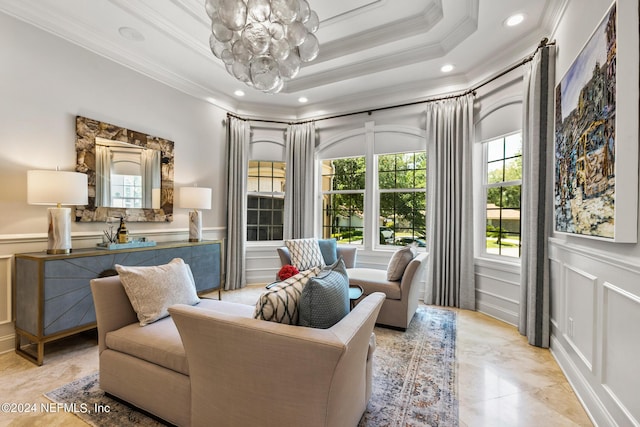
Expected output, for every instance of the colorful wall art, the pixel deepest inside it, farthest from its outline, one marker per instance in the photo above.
(586, 146)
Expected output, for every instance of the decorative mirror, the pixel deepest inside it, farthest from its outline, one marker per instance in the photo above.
(130, 174)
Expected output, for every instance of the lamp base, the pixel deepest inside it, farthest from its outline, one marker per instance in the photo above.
(195, 226)
(58, 251)
(59, 233)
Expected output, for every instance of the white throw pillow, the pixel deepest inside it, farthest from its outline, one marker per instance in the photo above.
(399, 262)
(152, 290)
(305, 253)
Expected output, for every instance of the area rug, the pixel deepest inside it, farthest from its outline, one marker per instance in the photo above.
(414, 381)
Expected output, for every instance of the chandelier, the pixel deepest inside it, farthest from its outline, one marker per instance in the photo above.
(263, 42)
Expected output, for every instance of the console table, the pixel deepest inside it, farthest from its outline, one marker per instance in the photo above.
(52, 295)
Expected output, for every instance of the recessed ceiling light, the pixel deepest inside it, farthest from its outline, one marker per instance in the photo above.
(303, 100)
(447, 68)
(239, 92)
(131, 34)
(514, 20)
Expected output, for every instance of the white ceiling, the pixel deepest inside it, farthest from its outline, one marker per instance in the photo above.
(372, 52)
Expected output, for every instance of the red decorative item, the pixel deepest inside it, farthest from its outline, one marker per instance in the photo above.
(287, 271)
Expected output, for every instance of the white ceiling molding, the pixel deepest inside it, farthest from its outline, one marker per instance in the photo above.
(370, 48)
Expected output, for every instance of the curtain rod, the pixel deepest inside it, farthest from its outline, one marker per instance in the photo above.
(543, 43)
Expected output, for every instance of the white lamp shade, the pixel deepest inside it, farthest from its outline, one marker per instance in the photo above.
(46, 187)
(194, 198)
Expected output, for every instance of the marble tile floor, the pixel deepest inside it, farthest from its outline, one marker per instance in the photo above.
(502, 380)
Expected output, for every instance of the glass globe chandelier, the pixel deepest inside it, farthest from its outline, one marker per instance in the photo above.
(263, 42)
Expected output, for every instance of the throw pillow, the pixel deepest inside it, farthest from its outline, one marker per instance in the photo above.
(399, 262)
(281, 302)
(305, 253)
(325, 298)
(152, 290)
(329, 250)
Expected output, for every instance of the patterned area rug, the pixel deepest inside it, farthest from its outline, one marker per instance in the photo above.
(414, 380)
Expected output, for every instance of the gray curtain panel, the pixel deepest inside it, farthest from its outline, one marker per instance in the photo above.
(451, 277)
(238, 136)
(536, 216)
(300, 176)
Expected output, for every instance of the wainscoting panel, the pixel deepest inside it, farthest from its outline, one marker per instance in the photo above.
(498, 290)
(262, 263)
(557, 295)
(621, 314)
(580, 313)
(596, 329)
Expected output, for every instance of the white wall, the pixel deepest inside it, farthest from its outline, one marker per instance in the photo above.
(595, 285)
(44, 83)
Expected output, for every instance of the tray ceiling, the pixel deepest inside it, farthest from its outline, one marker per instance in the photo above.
(371, 51)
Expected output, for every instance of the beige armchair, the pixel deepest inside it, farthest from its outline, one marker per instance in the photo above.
(402, 297)
(401, 300)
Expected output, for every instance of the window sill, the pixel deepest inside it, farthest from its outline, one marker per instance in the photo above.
(493, 262)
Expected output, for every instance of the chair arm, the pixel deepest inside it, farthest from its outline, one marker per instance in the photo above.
(348, 254)
(413, 273)
(112, 305)
(285, 256)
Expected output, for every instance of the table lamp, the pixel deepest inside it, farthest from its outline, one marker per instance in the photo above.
(195, 198)
(47, 187)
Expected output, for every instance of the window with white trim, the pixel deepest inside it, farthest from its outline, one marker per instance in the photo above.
(399, 193)
(265, 200)
(502, 189)
(343, 188)
(402, 186)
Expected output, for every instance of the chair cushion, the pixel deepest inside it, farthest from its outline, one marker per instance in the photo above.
(325, 298)
(372, 280)
(160, 342)
(305, 253)
(329, 250)
(153, 289)
(399, 262)
(282, 301)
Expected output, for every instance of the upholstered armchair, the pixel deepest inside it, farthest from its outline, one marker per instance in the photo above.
(402, 295)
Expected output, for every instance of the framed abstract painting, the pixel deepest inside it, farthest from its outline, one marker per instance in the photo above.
(596, 135)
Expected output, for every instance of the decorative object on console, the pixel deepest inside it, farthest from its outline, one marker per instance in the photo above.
(263, 43)
(287, 271)
(195, 198)
(123, 233)
(46, 187)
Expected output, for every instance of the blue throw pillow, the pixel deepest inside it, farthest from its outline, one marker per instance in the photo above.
(325, 298)
(329, 250)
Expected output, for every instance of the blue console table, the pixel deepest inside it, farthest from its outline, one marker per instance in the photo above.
(52, 296)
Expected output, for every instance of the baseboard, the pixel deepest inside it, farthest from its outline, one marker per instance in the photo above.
(7, 343)
(588, 397)
(497, 312)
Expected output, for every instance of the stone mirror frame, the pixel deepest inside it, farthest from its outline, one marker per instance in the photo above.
(86, 132)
